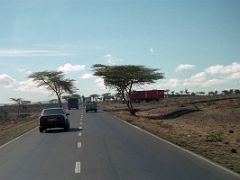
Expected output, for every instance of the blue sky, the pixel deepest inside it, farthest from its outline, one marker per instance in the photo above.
(195, 43)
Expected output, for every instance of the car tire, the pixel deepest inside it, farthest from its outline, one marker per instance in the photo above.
(66, 128)
(41, 129)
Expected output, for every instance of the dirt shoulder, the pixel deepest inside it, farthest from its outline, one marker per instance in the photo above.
(13, 129)
(209, 127)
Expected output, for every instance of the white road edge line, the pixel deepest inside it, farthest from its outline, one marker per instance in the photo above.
(79, 145)
(15, 139)
(78, 167)
(180, 148)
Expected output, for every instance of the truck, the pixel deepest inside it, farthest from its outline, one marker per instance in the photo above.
(73, 103)
(148, 95)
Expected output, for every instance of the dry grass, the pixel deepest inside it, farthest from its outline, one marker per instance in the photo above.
(190, 125)
(13, 129)
(12, 126)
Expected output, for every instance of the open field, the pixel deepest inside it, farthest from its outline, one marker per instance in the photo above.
(209, 126)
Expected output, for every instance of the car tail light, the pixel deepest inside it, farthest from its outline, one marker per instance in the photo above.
(42, 119)
(60, 119)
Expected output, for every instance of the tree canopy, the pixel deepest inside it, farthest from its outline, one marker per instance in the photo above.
(55, 82)
(124, 77)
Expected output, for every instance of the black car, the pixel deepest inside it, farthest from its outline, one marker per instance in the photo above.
(91, 106)
(54, 118)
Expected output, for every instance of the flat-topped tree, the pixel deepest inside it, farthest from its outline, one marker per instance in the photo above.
(94, 96)
(18, 102)
(55, 82)
(107, 96)
(123, 77)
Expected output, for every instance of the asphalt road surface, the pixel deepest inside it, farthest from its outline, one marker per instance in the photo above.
(100, 147)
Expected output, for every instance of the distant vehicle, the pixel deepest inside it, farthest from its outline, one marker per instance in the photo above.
(87, 99)
(150, 95)
(91, 106)
(54, 118)
(73, 103)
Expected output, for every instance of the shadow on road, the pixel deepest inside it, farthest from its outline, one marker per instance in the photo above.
(62, 130)
(92, 112)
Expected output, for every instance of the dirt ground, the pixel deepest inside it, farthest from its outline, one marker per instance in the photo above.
(209, 126)
(12, 125)
(13, 129)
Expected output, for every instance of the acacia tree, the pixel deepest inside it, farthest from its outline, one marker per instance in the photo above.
(55, 82)
(18, 102)
(123, 77)
(94, 96)
(107, 96)
(167, 91)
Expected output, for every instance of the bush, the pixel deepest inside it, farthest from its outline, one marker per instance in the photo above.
(215, 136)
(3, 115)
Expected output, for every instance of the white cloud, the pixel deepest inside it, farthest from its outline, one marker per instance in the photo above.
(6, 80)
(29, 72)
(200, 80)
(234, 76)
(233, 68)
(172, 82)
(210, 77)
(183, 67)
(112, 59)
(214, 69)
(100, 83)
(220, 69)
(213, 82)
(71, 68)
(29, 52)
(30, 86)
(195, 80)
(87, 76)
(22, 70)
(151, 50)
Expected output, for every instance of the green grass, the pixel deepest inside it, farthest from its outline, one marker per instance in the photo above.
(216, 136)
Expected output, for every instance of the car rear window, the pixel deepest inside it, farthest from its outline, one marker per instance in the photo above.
(53, 111)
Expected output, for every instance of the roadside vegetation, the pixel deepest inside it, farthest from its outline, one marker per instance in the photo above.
(55, 82)
(123, 78)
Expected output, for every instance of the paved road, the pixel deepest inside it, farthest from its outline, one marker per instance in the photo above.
(99, 147)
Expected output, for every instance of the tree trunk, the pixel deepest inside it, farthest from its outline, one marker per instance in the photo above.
(18, 110)
(59, 100)
(131, 109)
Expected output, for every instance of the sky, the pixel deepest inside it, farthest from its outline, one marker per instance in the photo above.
(195, 43)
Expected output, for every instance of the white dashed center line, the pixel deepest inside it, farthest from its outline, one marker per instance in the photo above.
(80, 134)
(80, 127)
(78, 167)
(79, 144)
